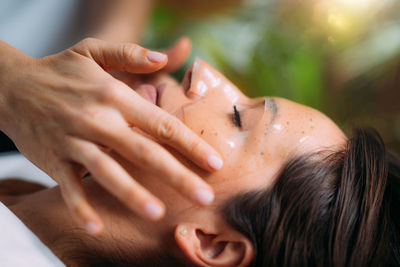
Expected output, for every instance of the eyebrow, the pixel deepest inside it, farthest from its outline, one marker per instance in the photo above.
(270, 103)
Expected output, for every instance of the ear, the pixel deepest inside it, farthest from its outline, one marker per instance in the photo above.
(212, 248)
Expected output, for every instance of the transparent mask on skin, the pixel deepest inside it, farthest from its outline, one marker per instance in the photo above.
(206, 86)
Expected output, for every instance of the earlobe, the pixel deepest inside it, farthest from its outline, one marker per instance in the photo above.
(211, 248)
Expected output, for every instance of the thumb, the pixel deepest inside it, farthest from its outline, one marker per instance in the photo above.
(121, 56)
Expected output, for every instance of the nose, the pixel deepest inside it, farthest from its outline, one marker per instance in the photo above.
(201, 79)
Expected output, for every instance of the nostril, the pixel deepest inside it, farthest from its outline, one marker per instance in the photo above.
(187, 79)
(193, 88)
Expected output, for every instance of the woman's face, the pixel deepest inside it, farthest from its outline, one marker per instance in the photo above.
(254, 141)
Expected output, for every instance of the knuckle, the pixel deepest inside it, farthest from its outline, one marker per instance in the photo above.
(89, 122)
(167, 129)
(86, 115)
(96, 162)
(77, 208)
(93, 124)
(130, 195)
(178, 181)
(146, 155)
(109, 92)
(64, 192)
(129, 51)
(87, 42)
(196, 147)
(71, 200)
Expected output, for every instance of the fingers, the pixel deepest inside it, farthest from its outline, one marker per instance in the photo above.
(171, 131)
(76, 201)
(177, 54)
(113, 178)
(121, 56)
(152, 157)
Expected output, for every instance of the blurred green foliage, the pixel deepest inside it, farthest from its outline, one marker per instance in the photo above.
(339, 56)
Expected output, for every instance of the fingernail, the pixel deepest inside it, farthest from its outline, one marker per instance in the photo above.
(215, 162)
(204, 196)
(156, 56)
(153, 211)
(92, 228)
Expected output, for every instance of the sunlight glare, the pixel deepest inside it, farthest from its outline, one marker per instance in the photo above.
(356, 4)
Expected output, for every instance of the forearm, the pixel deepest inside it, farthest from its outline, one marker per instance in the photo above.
(119, 20)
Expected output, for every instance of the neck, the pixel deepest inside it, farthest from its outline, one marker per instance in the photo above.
(48, 218)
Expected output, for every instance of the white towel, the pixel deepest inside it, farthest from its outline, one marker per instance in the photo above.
(15, 165)
(19, 247)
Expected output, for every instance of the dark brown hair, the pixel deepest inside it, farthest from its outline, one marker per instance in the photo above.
(336, 209)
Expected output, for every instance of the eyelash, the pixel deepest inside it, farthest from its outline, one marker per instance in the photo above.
(236, 117)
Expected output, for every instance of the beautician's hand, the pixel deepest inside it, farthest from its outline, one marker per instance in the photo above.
(65, 112)
(177, 56)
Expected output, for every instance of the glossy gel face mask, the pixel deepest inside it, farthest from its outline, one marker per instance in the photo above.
(216, 107)
(270, 131)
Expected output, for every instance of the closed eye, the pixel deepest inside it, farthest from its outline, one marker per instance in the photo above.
(236, 117)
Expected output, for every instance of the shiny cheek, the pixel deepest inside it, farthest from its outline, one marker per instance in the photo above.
(263, 152)
(253, 163)
(268, 145)
(210, 114)
(212, 123)
(173, 99)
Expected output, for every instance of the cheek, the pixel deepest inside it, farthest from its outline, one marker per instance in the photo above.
(210, 124)
(172, 99)
(215, 127)
(234, 180)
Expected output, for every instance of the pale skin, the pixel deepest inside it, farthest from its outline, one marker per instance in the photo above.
(271, 131)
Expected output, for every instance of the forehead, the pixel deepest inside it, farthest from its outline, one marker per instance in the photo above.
(297, 130)
(305, 129)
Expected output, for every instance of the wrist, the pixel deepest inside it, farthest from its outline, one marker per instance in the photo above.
(11, 67)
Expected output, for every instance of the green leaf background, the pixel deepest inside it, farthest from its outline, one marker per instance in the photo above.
(339, 56)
